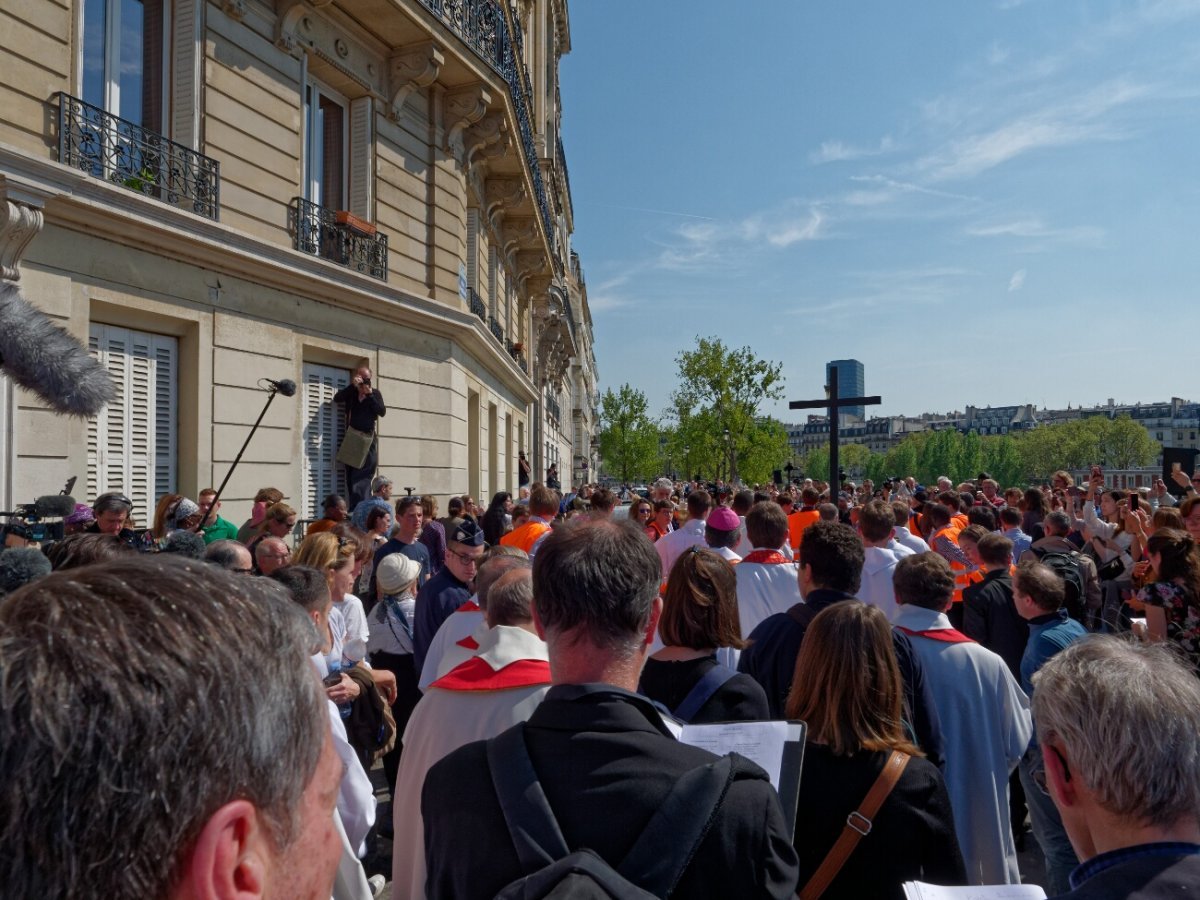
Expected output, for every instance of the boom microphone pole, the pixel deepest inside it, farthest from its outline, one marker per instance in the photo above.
(287, 387)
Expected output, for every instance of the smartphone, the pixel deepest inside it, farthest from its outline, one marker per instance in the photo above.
(333, 678)
(1176, 467)
(1133, 501)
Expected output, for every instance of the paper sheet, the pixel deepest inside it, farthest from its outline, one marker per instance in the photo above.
(919, 890)
(761, 742)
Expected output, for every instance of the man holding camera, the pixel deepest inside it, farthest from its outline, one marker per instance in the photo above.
(359, 452)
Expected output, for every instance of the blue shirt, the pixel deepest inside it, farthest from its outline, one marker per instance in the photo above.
(1048, 635)
(1020, 539)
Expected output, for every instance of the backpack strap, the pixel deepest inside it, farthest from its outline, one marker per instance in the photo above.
(535, 831)
(681, 822)
(801, 613)
(702, 691)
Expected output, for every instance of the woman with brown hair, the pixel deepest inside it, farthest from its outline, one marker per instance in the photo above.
(700, 615)
(278, 521)
(847, 689)
(1172, 598)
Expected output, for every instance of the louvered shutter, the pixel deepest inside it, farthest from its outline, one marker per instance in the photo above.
(362, 158)
(473, 250)
(185, 73)
(325, 425)
(132, 441)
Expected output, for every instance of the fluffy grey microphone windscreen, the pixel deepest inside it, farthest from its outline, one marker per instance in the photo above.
(53, 506)
(44, 358)
(21, 565)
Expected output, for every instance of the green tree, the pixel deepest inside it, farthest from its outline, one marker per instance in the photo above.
(816, 464)
(628, 437)
(766, 449)
(725, 387)
(1002, 460)
(1126, 444)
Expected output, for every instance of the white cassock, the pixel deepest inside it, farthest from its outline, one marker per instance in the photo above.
(986, 728)
(905, 538)
(497, 687)
(672, 546)
(876, 586)
(459, 624)
(764, 589)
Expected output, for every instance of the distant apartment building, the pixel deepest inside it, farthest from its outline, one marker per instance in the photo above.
(213, 193)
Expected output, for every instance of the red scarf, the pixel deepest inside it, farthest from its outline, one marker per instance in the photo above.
(946, 635)
(468, 643)
(476, 675)
(766, 557)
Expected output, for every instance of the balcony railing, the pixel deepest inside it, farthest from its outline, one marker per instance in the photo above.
(477, 305)
(124, 153)
(552, 409)
(518, 356)
(496, 329)
(338, 238)
(484, 28)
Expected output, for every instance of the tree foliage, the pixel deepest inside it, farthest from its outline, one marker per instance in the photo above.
(628, 436)
(721, 389)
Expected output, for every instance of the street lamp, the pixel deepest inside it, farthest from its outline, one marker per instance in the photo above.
(687, 462)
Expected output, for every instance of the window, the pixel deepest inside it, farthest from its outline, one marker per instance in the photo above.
(131, 442)
(324, 427)
(326, 147)
(123, 70)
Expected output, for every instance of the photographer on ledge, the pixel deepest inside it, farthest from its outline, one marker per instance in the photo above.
(359, 451)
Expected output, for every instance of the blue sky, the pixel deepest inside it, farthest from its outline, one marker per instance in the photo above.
(986, 202)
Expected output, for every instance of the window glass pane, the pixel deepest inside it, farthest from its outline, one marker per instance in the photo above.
(130, 74)
(333, 169)
(93, 52)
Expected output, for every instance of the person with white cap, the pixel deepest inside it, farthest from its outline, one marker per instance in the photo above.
(390, 642)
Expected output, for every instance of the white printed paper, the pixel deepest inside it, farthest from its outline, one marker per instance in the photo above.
(919, 890)
(761, 742)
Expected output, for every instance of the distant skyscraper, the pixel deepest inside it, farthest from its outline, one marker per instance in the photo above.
(852, 382)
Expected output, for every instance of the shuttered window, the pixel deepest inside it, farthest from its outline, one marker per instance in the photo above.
(324, 426)
(132, 441)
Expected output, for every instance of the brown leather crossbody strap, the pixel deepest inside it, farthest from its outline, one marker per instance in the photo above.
(858, 826)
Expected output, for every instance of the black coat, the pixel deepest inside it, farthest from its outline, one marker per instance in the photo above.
(740, 699)
(605, 763)
(912, 836)
(1146, 878)
(991, 618)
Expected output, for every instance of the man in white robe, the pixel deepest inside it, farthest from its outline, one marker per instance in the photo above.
(691, 534)
(497, 687)
(875, 526)
(985, 720)
(766, 579)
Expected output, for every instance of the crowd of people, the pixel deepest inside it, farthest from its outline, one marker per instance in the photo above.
(183, 706)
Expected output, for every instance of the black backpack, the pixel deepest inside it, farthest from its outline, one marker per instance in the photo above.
(1066, 566)
(651, 869)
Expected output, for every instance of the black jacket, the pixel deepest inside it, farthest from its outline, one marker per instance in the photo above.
(990, 618)
(361, 412)
(912, 836)
(740, 699)
(1143, 878)
(605, 763)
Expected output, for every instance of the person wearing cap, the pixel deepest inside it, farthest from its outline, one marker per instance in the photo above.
(691, 534)
(722, 532)
(390, 643)
(448, 589)
(381, 498)
(410, 515)
(79, 520)
(500, 684)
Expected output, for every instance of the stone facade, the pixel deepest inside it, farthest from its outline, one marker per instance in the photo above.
(376, 181)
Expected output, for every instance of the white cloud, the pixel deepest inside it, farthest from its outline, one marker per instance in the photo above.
(700, 244)
(888, 189)
(1017, 281)
(1035, 228)
(598, 303)
(838, 151)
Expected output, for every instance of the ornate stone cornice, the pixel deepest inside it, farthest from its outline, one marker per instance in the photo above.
(462, 108)
(519, 233)
(410, 69)
(20, 221)
(301, 29)
(502, 195)
(235, 9)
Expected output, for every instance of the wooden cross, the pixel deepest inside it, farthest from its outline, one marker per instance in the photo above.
(832, 403)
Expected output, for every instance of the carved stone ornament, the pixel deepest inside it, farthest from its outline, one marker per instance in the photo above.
(527, 263)
(412, 68)
(235, 9)
(462, 108)
(487, 138)
(519, 233)
(503, 196)
(302, 29)
(19, 224)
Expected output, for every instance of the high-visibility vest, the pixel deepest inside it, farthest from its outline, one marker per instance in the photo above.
(966, 579)
(526, 536)
(797, 523)
(960, 569)
(960, 520)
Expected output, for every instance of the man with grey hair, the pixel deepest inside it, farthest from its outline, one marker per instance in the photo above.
(230, 555)
(600, 752)
(138, 760)
(271, 554)
(1119, 727)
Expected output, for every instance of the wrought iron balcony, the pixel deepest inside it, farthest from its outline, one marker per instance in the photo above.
(496, 329)
(124, 153)
(338, 237)
(477, 305)
(484, 27)
(552, 409)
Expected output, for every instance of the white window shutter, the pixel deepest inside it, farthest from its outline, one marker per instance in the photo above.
(132, 441)
(473, 247)
(362, 157)
(325, 426)
(185, 72)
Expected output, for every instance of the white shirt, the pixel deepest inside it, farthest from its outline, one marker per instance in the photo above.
(876, 586)
(905, 538)
(726, 553)
(357, 630)
(763, 590)
(671, 546)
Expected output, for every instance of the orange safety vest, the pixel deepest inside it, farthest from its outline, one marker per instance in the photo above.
(798, 522)
(960, 569)
(526, 536)
(964, 580)
(960, 521)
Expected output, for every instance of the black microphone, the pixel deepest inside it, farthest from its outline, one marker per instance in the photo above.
(287, 387)
(46, 359)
